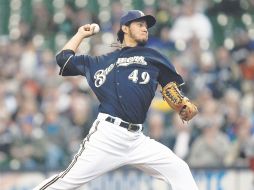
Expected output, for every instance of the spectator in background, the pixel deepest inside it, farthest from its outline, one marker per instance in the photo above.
(227, 72)
(242, 53)
(231, 109)
(28, 146)
(247, 102)
(42, 22)
(182, 137)
(205, 74)
(28, 63)
(191, 24)
(247, 67)
(157, 129)
(6, 137)
(56, 133)
(243, 46)
(162, 43)
(28, 149)
(116, 13)
(241, 149)
(80, 17)
(81, 115)
(69, 25)
(209, 149)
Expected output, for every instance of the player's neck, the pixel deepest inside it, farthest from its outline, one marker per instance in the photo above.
(129, 42)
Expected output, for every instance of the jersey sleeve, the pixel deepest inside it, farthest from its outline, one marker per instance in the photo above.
(71, 64)
(166, 75)
(167, 71)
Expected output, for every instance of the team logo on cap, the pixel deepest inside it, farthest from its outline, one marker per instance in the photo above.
(141, 13)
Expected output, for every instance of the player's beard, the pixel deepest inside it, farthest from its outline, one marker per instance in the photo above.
(140, 42)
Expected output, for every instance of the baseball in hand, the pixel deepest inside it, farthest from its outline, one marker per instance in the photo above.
(96, 28)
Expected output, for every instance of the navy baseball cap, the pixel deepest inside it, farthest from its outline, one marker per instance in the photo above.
(133, 15)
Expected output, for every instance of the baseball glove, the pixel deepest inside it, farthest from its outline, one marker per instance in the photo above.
(178, 102)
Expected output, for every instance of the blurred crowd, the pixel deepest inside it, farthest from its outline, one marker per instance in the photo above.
(44, 117)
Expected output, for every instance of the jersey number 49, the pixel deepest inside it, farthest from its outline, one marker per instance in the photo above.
(144, 78)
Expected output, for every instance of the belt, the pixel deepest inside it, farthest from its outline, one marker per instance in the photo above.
(129, 126)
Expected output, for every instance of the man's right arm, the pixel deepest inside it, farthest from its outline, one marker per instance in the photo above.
(83, 32)
(67, 54)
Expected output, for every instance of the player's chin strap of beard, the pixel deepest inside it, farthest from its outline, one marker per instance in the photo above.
(119, 44)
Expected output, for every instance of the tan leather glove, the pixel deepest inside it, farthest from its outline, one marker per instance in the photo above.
(178, 102)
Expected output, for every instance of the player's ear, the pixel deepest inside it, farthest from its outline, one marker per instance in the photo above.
(125, 29)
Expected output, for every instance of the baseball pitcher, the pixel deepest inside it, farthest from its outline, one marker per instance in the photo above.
(124, 82)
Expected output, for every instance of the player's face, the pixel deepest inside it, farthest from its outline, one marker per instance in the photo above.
(138, 32)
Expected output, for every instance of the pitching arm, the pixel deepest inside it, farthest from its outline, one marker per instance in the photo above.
(70, 64)
(83, 32)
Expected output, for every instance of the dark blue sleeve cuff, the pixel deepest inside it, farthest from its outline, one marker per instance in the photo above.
(63, 56)
(62, 60)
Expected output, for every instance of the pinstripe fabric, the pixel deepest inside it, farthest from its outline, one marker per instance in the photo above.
(82, 148)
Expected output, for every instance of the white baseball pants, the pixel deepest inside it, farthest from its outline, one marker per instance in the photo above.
(109, 146)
